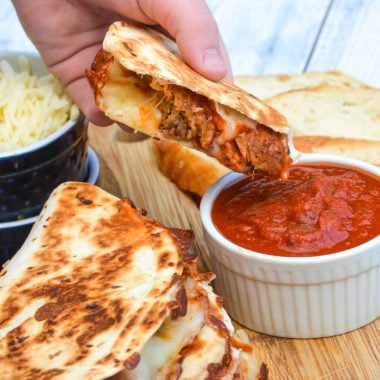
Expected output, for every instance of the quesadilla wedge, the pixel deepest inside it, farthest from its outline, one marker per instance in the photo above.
(211, 355)
(139, 79)
(91, 285)
(159, 355)
(199, 345)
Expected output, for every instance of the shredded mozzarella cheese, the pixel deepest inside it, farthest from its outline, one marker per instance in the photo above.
(31, 108)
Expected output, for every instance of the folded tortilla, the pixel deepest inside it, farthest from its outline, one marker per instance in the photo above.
(99, 291)
(139, 79)
(90, 286)
(199, 345)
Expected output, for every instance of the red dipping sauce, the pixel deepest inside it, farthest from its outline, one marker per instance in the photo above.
(321, 209)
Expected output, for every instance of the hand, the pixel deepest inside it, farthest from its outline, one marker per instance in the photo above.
(68, 34)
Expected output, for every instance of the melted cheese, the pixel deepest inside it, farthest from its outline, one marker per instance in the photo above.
(234, 121)
(131, 101)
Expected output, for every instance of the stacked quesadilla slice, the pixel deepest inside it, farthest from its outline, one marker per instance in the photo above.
(100, 290)
(198, 345)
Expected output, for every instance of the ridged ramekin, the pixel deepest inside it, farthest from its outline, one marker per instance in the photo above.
(296, 297)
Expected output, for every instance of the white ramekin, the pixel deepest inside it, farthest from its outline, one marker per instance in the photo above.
(295, 297)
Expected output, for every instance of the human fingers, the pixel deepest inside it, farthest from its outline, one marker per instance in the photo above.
(190, 23)
(71, 73)
(196, 33)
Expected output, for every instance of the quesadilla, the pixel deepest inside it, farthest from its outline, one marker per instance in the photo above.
(159, 356)
(139, 79)
(90, 286)
(198, 345)
(359, 149)
(99, 291)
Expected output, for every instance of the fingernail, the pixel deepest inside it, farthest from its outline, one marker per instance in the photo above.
(213, 58)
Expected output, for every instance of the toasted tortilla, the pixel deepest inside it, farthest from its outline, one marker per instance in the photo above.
(267, 86)
(161, 351)
(189, 169)
(91, 285)
(333, 111)
(198, 345)
(194, 346)
(139, 79)
(210, 354)
(360, 149)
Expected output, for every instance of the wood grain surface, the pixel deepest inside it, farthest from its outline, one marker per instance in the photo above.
(128, 169)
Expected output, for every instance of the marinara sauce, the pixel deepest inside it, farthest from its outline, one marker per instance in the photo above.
(321, 209)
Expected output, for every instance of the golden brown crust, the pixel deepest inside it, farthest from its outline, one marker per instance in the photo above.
(365, 150)
(190, 170)
(92, 284)
(332, 111)
(139, 79)
(309, 143)
(195, 172)
(267, 86)
(148, 52)
(97, 282)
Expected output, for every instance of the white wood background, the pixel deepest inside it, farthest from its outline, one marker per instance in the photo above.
(277, 36)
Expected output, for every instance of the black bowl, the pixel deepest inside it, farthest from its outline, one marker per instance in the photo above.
(14, 233)
(28, 176)
(12, 236)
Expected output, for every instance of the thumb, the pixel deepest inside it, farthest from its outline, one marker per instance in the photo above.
(196, 33)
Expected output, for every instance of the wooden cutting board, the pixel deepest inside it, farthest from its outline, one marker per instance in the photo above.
(128, 169)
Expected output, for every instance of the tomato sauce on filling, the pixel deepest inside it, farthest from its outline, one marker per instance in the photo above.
(321, 209)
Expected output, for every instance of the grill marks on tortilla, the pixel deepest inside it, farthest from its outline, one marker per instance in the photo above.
(150, 52)
(132, 361)
(140, 79)
(179, 306)
(191, 118)
(98, 282)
